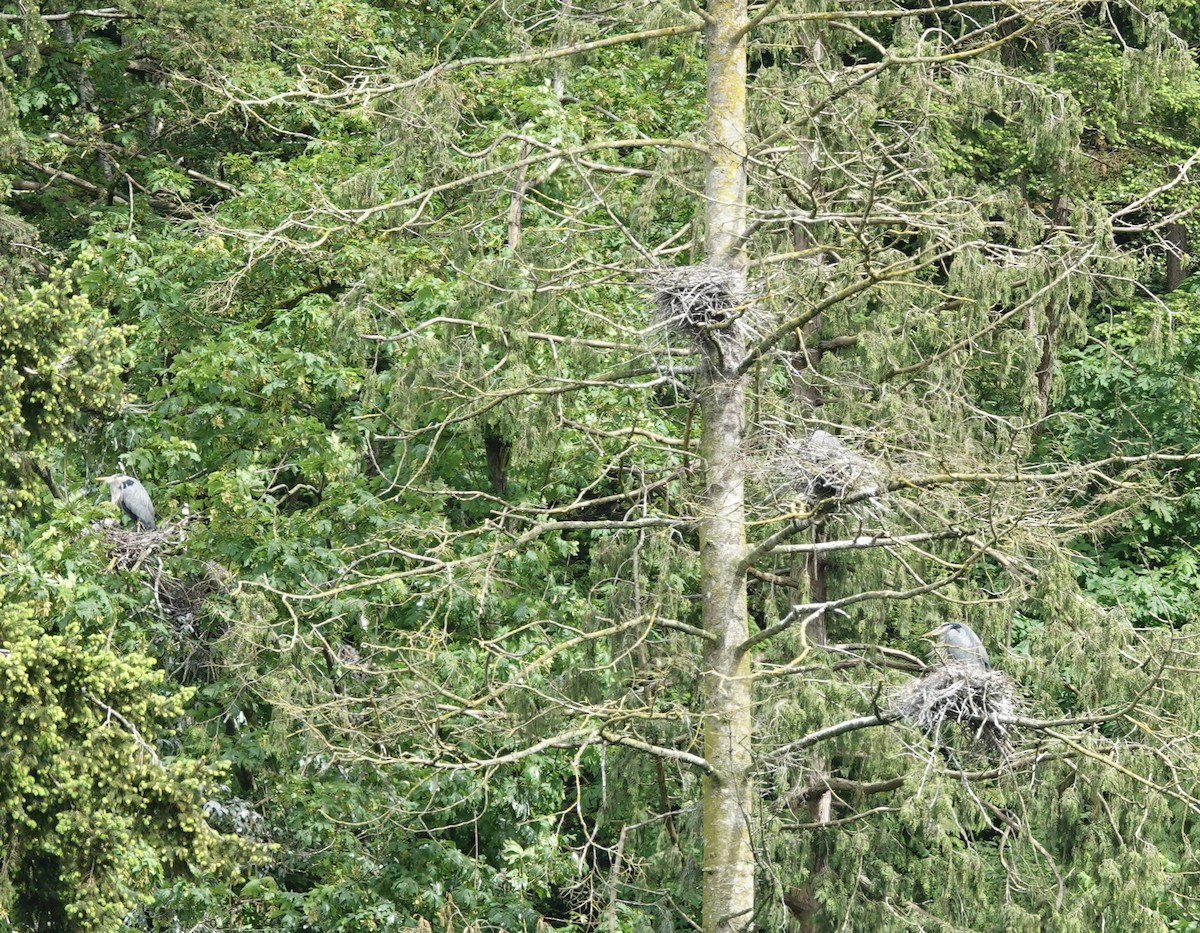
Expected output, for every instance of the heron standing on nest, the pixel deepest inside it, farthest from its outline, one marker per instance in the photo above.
(961, 644)
(131, 498)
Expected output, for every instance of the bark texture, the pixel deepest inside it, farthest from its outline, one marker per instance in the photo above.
(728, 857)
(728, 801)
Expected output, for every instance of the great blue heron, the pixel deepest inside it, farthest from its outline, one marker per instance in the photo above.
(132, 499)
(961, 644)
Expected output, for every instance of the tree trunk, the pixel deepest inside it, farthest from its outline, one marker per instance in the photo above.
(1176, 237)
(802, 901)
(728, 800)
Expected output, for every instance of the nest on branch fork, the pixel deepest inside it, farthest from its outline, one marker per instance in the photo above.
(178, 598)
(978, 702)
(711, 307)
(819, 466)
(129, 547)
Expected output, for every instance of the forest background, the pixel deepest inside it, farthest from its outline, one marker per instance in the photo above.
(564, 419)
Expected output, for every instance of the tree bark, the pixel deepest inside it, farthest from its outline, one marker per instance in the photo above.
(1175, 236)
(1177, 243)
(728, 858)
(802, 900)
(728, 799)
(725, 181)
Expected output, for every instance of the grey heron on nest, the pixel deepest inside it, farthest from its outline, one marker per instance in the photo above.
(960, 644)
(131, 497)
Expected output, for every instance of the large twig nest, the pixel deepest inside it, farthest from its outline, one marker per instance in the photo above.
(980, 702)
(130, 546)
(819, 466)
(141, 551)
(180, 586)
(712, 307)
(181, 598)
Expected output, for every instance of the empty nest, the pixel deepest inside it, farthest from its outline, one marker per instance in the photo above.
(181, 598)
(979, 702)
(710, 306)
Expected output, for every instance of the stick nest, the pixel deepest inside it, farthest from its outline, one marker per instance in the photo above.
(820, 466)
(178, 598)
(711, 307)
(128, 548)
(979, 702)
(181, 587)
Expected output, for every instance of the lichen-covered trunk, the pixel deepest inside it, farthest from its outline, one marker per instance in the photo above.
(728, 800)
(725, 182)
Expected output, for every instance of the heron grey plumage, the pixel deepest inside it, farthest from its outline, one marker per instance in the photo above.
(961, 644)
(131, 497)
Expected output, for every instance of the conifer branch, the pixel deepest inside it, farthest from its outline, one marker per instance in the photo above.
(880, 718)
(362, 94)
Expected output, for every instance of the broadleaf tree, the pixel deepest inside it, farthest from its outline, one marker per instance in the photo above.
(890, 293)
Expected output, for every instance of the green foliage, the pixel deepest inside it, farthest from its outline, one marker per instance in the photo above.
(388, 343)
(59, 358)
(96, 811)
(1130, 394)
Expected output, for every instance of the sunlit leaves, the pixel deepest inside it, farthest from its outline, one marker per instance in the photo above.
(97, 812)
(59, 358)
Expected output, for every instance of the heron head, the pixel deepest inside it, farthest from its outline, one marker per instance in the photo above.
(116, 485)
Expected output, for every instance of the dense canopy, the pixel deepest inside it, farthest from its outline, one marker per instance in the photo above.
(564, 419)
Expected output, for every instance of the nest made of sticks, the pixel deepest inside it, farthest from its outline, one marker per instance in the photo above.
(710, 306)
(129, 546)
(181, 598)
(136, 550)
(979, 702)
(157, 560)
(820, 466)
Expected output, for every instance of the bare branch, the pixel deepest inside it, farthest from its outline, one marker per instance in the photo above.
(659, 751)
(71, 14)
(840, 821)
(869, 541)
(882, 718)
(362, 94)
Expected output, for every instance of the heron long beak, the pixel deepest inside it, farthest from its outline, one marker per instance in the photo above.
(934, 631)
(105, 479)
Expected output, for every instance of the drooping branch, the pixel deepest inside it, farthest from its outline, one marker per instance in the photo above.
(550, 154)
(433, 565)
(829, 605)
(897, 271)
